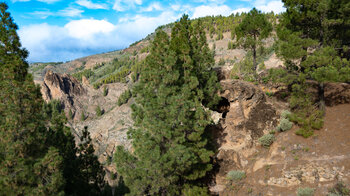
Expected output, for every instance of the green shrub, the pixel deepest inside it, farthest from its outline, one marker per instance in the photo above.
(236, 175)
(269, 94)
(144, 49)
(231, 45)
(339, 189)
(194, 191)
(266, 140)
(305, 191)
(99, 111)
(285, 114)
(70, 114)
(105, 91)
(222, 62)
(284, 125)
(124, 97)
(82, 117)
(262, 66)
(305, 132)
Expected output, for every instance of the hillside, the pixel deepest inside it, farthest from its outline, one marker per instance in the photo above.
(248, 110)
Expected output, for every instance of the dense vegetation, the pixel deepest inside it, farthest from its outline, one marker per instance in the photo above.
(38, 155)
(171, 152)
(173, 87)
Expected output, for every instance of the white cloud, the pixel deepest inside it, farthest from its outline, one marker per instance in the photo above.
(87, 36)
(205, 10)
(153, 7)
(275, 6)
(49, 1)
(123, 5)
(90, 5)
(175, 7)
(240, 10)
(85, 29)
(45, 1)
(70, 12)
(43, 14)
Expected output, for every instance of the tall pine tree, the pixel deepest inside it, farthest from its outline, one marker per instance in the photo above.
(27, 165)
(38, 155)
(170, 152)
(251, 31)
(312, 42)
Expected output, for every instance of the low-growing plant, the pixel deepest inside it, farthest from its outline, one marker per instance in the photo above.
(266, 140)
(99, 111)
(70, 114)
(124, 97)
(305, 191)
(284, 125)
(285, 114)
(235, 175)
(269, 94)
(105, 91)
(82, 117)
(339, 189)
(221, 62)
(262, 66)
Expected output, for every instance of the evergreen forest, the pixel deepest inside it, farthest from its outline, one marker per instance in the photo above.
(173, 90)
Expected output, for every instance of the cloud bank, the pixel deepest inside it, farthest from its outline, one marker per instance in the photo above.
(83, 37)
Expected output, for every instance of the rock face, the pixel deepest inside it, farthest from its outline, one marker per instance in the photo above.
(65, 88)
(337, 93)
(291, 161)
(107, 131)
(57, 86)
(248, 116)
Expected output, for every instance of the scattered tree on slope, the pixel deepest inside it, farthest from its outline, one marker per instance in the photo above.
(251, 31)
(170, 149)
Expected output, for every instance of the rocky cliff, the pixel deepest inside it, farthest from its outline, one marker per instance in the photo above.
(244, 114)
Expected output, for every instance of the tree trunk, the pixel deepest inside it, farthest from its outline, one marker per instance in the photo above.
(322, 102)
(254, 60)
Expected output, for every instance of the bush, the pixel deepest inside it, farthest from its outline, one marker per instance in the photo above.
(231, 45)
(124, 97)
(82, 117)
(194, 191)
(70, 115)
(285, 114)
(339, 189)
(222, 62)
(305, 191)
(284, 125)
(98, 111)
(262, 66)
(304, 132)
(267, 140)
(105, 91)
(235, 175)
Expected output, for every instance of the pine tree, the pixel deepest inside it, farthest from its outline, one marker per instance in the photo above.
(315, 25)
(82, 172)
(170, 150)
(38, 155)
(27, 165)
(251, 31)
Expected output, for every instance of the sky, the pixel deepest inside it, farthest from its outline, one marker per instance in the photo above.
(63, 30)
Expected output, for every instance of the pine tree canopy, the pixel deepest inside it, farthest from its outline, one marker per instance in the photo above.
(252, 30)
(38, 155)
(27, 165)
(169, 142)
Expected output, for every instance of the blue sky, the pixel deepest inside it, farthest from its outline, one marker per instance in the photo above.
(61, 30)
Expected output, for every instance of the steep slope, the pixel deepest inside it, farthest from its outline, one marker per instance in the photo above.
(246, 114)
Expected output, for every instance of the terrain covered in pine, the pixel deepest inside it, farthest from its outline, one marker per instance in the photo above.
(249, 104)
